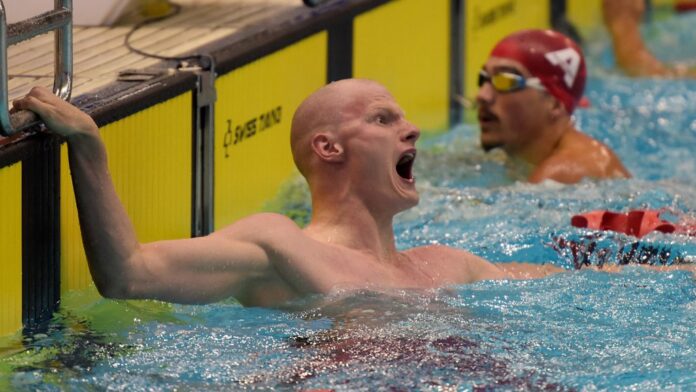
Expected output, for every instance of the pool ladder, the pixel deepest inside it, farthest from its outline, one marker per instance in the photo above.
(60, 20)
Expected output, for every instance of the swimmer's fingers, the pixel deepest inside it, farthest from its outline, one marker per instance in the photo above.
(60, 117)
(35, 95)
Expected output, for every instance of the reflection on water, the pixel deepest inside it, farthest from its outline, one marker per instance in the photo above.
(568, 332)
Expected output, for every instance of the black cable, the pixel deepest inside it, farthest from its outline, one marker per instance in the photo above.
(205, 61)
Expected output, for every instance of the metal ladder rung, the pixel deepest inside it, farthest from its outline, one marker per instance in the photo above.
(37, 25)
(58, 20)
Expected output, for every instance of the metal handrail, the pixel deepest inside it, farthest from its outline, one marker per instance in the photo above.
(60, 20)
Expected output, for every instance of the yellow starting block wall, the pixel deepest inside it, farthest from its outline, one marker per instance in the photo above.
(253, 114)
(405, 46)
(585, 15)
(488, 21)
(150, 161)
(11, 245)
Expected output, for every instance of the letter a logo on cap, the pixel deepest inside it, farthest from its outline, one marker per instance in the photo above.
(569, 60)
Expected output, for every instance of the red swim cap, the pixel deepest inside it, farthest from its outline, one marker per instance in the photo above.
(550, 56)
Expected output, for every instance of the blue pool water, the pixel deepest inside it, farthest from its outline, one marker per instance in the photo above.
(581, 330)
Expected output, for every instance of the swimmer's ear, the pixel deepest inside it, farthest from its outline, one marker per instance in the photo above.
(557, 108)
(327, 148)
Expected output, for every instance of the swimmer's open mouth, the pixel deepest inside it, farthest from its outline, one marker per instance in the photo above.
(405, 166)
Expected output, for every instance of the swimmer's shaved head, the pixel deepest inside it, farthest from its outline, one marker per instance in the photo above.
(353, 144)
(323, 111)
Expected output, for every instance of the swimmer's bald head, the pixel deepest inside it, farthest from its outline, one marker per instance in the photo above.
(323, 111)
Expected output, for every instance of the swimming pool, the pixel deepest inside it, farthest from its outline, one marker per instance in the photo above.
(579, 330)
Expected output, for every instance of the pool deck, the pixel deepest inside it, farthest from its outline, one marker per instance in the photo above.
(101, 56)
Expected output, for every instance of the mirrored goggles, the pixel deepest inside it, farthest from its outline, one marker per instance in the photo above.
(505, 82)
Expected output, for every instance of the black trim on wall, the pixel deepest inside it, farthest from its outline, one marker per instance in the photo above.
(456, 88)
(122, 99)
(558, 10)
(559, 21)
(258, 41)
(41, 231)
(15, 152)
(340, 51)
(110, 104)
(196, 152)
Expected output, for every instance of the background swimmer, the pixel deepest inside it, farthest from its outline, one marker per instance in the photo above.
(622, 18)
(528, 89)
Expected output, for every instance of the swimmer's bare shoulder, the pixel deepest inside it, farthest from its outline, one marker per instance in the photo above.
(579, 156)
(262, 260)
(262, 228)
(461, 266)
(236, 261)
(292, 264)
(455, 266)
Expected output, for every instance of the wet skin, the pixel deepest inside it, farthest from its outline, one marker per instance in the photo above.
(533, 128)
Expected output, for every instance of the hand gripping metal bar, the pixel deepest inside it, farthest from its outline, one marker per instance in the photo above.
(60, 20)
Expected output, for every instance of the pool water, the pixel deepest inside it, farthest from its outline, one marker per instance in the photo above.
(581, 330)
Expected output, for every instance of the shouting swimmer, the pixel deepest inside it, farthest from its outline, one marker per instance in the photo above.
(528, 89)
(356, 149)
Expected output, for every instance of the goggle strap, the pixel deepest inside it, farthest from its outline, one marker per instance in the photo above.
(520, 81)
(535, 83)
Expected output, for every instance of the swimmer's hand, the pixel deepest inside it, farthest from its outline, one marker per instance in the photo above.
(61, 117)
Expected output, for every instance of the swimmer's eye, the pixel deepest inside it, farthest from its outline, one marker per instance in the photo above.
(382, 119)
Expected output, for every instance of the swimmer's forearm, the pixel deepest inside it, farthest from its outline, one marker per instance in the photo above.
(529, 271)
(107, 233)
(629, 49)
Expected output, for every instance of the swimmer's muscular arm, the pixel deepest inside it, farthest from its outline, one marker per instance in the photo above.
(466, 267)
(227, 263)
(623, 18)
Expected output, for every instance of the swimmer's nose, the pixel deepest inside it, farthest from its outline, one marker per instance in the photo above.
(411, 135)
